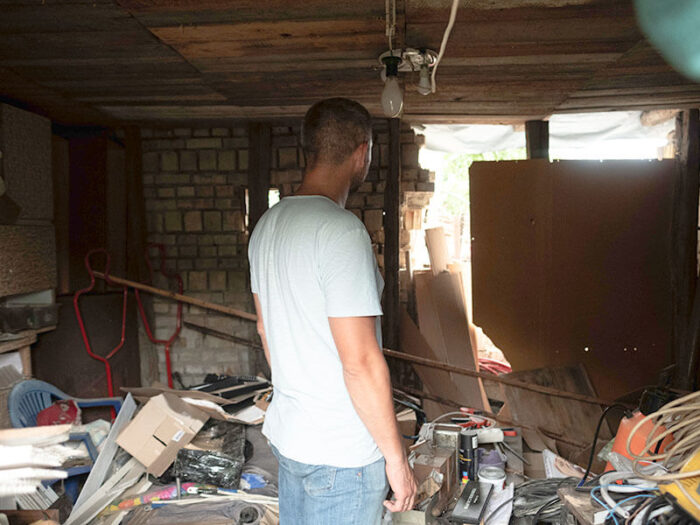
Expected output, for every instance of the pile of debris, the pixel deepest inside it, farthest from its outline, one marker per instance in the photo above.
(169, 456)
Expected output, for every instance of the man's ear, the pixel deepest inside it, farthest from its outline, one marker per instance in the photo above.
(361, 154)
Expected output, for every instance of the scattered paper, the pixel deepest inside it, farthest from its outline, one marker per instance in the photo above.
(498, 498)
(557, 467)
(39, 436)
(251, 415)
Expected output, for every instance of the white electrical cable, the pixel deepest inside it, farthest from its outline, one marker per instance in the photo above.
(654, 514)
(390, 16)
(443, 45)
(680, 419)
(607, 484)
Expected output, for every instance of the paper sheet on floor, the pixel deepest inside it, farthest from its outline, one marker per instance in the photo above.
(498, 498)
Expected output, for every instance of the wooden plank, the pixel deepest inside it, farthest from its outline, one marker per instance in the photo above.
(502, 379)
(179, 297)
(27, 259)
(579, 504)
(135, 207)
(392, 206)
(258, 171)
(134, 40)
(16, 344)
(684, 231)
(116, 216)
(437, 249)
(271, 33)
(443, 323)
(64, 18)
(25, 355)
(537, 139)
(435, 381)
(553, 287)
(61, 196)
(88, 202)
(167, 12)
(570, 419)
(427, 315)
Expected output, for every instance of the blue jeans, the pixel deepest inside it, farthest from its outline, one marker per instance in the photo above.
(323, 495)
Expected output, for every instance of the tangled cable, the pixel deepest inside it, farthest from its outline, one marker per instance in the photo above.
(679, 419)
(537, 499)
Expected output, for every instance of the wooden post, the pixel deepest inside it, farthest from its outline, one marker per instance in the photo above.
(392, 203)
(684, 241)
(60, 164)
(260, 136)
(537, 139)
(136, 268)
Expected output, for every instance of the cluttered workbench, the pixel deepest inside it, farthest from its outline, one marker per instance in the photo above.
(473, 471)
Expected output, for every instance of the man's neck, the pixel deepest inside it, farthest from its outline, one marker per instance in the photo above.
(327, 181)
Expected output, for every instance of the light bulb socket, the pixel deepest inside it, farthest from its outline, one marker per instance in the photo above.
(424, 86)
(392, 65)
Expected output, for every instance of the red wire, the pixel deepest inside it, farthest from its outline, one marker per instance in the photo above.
(81, 324)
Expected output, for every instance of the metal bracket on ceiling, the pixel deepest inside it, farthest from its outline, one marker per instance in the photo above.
(411, 59)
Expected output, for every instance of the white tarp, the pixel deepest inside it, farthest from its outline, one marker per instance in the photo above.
(610, 135)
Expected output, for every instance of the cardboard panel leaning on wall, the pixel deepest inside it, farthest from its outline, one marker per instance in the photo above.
(570, 265)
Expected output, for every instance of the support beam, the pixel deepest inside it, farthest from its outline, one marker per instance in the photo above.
(60, 164)
(136, 268)
(684, 241)
(260, 136)
(537, 139)
(391, 237)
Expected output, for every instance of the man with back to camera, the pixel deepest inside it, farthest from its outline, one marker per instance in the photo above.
(317, 294)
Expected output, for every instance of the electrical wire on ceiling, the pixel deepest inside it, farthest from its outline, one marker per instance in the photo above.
(443, 45)
(390, 17)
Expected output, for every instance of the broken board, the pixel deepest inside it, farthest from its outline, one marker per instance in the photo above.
(437, 382)
(573, 421)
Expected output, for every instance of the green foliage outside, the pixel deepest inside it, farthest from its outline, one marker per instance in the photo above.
(452, 183)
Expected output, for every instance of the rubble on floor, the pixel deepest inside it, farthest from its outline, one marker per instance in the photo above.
(188, 456)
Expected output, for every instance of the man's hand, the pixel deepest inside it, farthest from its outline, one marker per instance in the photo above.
(403, 484)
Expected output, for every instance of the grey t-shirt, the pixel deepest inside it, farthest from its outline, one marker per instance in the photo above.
(310, 260)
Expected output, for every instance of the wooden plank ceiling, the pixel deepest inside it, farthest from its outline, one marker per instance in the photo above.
(104, 61)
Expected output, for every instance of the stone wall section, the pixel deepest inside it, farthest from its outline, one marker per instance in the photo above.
(195, 183)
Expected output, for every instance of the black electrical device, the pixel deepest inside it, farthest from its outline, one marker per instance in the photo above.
(472, 503)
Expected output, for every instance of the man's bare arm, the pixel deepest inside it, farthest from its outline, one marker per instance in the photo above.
(261, 328)
(367, 379)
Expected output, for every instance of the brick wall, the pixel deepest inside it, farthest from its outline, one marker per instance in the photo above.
(194, 186)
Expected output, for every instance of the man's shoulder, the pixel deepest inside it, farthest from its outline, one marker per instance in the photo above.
(309, 216)
(330, 217)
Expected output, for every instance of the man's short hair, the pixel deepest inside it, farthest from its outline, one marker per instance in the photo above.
(333, 129)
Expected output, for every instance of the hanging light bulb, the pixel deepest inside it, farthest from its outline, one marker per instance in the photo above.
(424, 87)
(392, 97)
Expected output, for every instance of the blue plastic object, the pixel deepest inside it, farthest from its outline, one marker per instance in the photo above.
(30, 397)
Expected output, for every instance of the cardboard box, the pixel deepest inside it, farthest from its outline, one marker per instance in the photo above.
(163, 426)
